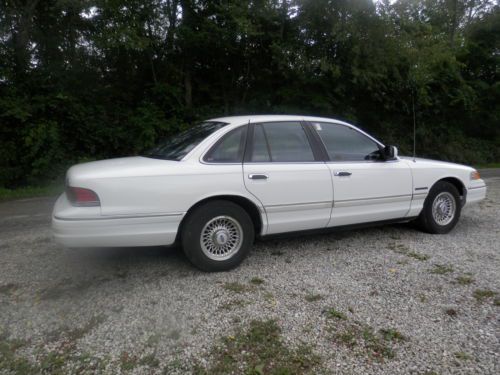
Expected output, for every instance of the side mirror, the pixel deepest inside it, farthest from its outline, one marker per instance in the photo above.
(390, 152)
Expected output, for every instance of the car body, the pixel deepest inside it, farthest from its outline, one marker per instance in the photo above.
(288, 173)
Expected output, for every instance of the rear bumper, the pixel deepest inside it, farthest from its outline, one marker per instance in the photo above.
(102, 231)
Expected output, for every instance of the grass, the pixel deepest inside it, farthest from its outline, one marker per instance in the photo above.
(334, 314)
(441, 269)
(462, 356)
(376, 345)
(259, 349)
(417, 256)
(52, 362)
(235, 287)
(30, 191)
(465, 279)
(311, 297)
(483, 294)
(256, 281)
(404, 250)
(234, 304)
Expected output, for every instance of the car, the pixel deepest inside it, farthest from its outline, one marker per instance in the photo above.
(221, 184)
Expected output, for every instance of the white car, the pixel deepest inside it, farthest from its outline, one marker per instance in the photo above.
(217, 186)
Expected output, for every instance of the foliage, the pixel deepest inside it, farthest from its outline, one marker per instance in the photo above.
(88, 79)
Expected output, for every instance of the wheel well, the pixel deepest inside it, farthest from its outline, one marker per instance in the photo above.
(458, 184)
(245, 203)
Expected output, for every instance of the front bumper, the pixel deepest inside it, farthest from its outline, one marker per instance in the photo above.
(476, 192)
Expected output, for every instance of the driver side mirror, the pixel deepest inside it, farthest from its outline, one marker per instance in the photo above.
(390, 152)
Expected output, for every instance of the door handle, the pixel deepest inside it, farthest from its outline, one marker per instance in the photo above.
(342, 174)
(258, 176)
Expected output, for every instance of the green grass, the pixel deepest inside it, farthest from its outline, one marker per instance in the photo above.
(462, 356)
(483, 294)
(441, 269)
(312, 297)
(332, 313)
(465, 279)
(31, 191)
(259, 349)
(257, 281)
(235, 287)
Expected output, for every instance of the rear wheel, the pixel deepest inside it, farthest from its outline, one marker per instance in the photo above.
(217, 236)
(441, 210)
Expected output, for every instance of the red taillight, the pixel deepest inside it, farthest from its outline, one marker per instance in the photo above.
(82, 197)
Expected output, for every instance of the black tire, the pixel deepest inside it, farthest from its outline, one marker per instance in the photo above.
(192, 231)
(426, 219)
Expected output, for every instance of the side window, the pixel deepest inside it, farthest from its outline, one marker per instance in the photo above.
(260, 152)
(229, 149)
(346, 144)
(281, 142)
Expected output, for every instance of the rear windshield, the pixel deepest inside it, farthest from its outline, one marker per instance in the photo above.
(178, 146)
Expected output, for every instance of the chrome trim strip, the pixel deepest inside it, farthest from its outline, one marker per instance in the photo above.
(476, 187)
(298, 206)
(368, 201)
(117, 217)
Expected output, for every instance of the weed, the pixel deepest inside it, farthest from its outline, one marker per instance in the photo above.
(465, 279)
(233, 304)
(391, 334)
(462, 356)
(128, 362)
(149, 360)
(311, 297)
(440, 269)
(257, 281)
(483, 294)
(420, 257)
(332, 313)
(235, 287)
(260, 350)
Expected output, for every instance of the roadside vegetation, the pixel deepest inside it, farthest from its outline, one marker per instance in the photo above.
(260, 349)
(83, 80)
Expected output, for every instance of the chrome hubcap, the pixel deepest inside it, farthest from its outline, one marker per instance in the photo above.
(443, 208)
(221, 238)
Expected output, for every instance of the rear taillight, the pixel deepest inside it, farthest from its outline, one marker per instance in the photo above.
(82, 197)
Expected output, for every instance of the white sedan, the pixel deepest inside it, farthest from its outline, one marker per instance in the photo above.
(217, 186)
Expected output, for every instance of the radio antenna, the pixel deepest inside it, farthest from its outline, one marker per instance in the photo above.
(414, 127)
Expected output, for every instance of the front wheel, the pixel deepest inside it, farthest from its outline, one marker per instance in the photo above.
(441, 210)
(217, 236)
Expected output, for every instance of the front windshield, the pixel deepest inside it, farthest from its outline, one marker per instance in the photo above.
(178, 146)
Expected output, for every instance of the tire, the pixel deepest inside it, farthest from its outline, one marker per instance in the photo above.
(442, 209)
(217, 236)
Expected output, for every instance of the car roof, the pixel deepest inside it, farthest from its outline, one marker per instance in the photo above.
(238, 120)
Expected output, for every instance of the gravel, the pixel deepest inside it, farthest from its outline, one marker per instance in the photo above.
(147, 310)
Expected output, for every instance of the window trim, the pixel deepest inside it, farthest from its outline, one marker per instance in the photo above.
(322, 145)
(243, 143)
(318, 158)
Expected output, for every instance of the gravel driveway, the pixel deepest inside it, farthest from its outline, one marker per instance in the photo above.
(387, 300)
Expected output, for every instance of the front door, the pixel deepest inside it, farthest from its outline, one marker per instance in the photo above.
(366, 188)
(289, 179)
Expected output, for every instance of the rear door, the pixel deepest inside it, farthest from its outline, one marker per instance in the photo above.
(287, 175)
(366, 188)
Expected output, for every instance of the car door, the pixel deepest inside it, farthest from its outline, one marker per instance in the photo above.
(287, 175)
(366, 188)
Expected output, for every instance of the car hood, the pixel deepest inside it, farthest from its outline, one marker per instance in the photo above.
(119, 167)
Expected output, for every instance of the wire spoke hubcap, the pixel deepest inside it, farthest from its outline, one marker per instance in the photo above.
(221, 238)
(443, 208)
